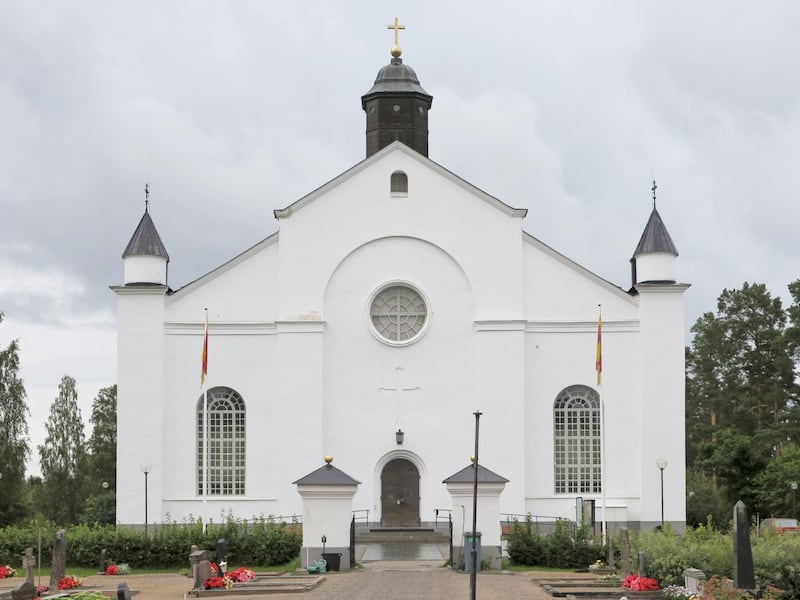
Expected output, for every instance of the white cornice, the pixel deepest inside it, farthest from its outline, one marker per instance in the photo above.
(500, 325)
(579, 326)
(139, 290)
(242, 328)
(662, 288)
(301, 326)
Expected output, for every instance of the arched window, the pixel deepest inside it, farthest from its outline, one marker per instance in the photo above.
(225, 436)
(577, 437)
(399, 184)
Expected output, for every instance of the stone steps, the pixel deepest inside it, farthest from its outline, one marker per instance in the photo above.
(401, 536)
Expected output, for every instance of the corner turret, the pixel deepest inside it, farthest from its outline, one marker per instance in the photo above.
(145, 256)
(654, 260)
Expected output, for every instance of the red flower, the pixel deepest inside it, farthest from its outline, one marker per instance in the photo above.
(213, 567)
(640, 584)
(112, 570)
(69, 582)
(214, 582)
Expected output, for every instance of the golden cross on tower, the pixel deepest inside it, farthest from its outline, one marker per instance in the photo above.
(396, 50)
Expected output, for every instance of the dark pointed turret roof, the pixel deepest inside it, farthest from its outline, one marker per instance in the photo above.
(655, 238)
(466, 475)
(145, 240)
(327, 474)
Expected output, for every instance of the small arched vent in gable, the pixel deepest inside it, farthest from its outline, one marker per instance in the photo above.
(399, 184)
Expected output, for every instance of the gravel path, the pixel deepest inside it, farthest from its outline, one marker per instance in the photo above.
(383, 580)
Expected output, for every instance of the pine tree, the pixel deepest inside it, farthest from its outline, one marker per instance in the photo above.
(14, 448)
(62, 457)
(103, 441)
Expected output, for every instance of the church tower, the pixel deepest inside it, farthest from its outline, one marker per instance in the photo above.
(397, 106)
(140, 367)
(661, 326)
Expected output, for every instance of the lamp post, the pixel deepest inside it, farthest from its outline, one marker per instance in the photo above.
(146, 470)
(794, 495)
(473, 576)
(661, 463)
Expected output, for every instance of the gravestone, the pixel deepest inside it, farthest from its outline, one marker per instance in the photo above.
(625, 551)
(28, 563)
(25, 591)
(744, 577)
(101, 570)
(222, 556)
(123, 592)
(642, 571)
(201, 570)
(59, 566)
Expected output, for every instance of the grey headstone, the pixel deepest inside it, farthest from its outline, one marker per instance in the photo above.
(201, 569)
(642, 571)
(103, 562)
(59, 567)
(625, 551)
(123, 592)
(744, 577)
(28, 562)
(25, 591)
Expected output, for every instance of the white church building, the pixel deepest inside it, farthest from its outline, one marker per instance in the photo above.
(392, 303)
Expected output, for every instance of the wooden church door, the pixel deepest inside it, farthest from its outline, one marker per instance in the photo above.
(400, 494)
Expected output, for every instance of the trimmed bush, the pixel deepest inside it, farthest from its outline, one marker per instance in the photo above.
(261, 542)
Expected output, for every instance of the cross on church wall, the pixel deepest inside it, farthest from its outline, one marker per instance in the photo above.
(399, 391)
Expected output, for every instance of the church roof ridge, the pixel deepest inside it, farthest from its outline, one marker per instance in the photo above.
(281, 213)
(145, 240)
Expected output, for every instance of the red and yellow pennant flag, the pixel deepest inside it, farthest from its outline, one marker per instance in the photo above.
(598, 361)
(204, 359)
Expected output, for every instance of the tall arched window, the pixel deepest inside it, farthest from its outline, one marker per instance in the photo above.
(577, 437)
(225, 416)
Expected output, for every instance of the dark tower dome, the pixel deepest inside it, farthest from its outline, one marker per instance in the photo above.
(397, 108)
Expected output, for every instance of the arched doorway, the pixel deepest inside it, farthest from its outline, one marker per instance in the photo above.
(400, 494)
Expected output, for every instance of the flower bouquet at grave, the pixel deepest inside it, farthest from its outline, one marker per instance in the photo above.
(112, 570)
(41, 589)
(214, 582)
(243, 575)
(214, 568)
(7, 571)
(635, 583)
(69, 582)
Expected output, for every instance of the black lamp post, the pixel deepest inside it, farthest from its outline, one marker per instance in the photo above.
(146, 470)
(661, 463)
(794, 495)
(473, 576)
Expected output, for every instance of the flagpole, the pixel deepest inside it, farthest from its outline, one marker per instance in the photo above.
(599, 369)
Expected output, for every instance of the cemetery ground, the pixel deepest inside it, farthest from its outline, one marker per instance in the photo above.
(381, 580)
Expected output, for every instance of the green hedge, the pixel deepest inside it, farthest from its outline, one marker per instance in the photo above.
(566, 547)
(259, 542)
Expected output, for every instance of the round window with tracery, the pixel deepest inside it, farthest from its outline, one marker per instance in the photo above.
(398, 314)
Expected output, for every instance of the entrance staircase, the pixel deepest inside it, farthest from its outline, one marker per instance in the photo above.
(402, 544)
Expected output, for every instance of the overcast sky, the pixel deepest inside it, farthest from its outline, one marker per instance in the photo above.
(233, 109)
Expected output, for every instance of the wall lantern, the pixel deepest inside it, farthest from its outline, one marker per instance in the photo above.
(399, 436)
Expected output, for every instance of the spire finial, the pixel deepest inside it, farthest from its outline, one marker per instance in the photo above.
(146, 196)
(653, 189)
(396, 50)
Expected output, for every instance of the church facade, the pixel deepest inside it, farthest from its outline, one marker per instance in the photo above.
(393, 303)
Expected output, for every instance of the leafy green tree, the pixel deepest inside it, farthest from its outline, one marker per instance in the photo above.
(704, 501)
(775, 481)
(102, 460)
(103, 441)
(63, 457)
(14, 448)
